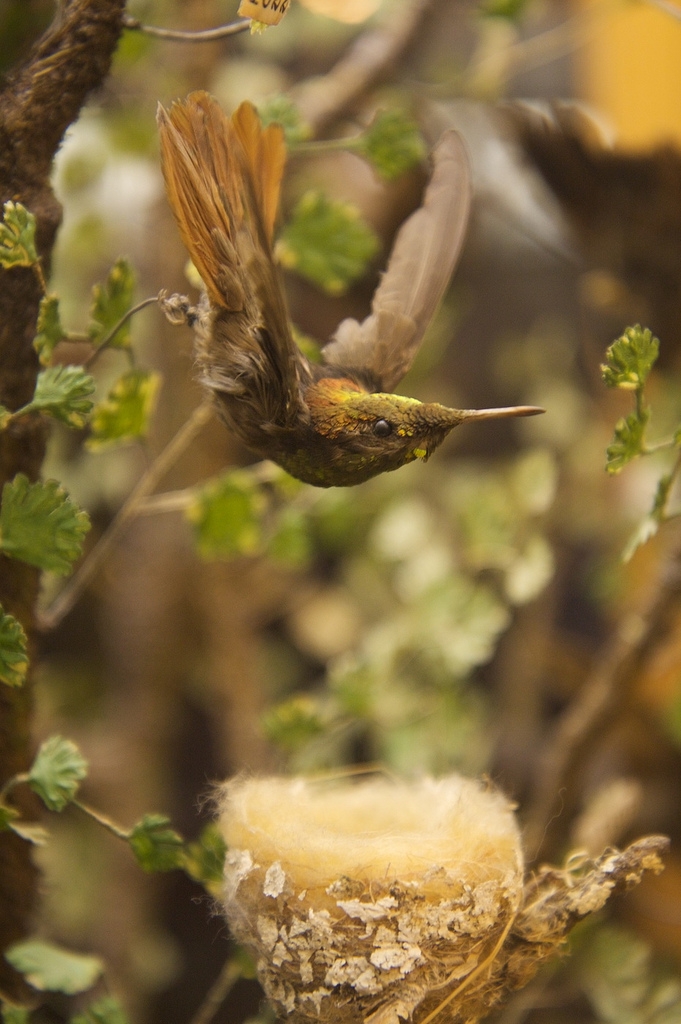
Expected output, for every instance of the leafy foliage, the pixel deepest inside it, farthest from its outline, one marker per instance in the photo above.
(57, 772)
(327, 242)
(281, 110)
(13, 651)
(294, 722)
(627, 442)
(509, 10)
(630, 359)
(617, 976)
(62, 391)
(205, 859)
(110, 302)
(17, 237)
(392, 144)
(156, 846)
(13, 1014)
(49, 968)
(226, 516)
(39, 524)
(106, 1010)
(290, 540)
(50, 330)
(126, 413)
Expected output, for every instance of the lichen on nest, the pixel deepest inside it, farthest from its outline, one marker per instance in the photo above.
(378, 901)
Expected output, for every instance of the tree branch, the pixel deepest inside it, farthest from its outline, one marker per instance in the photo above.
(39, 101)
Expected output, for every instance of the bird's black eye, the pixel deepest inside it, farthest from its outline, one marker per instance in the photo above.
(382, 428)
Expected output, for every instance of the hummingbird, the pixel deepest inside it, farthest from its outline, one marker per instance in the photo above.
(337, 422)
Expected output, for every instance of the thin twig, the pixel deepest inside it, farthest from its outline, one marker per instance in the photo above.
(170, 501)
(206, 35)
(75, 586)
(322, 99)
(636, 637)
(114, 330)
(102, 819)
(218, 992)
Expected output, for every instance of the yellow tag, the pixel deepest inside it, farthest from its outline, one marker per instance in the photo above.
(269, 12)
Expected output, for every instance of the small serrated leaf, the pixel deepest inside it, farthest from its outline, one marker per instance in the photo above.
(205, 859)
(63, 392)
(630, 359)
(126, 413)
(49, 968)
(57, 771)
(39, 524)
(627, 442)
(13, 651)
(31, 833)
(110, 302)
(392, 144)
(106, 1010)
(645, 530)
(327, 242)
(225, 515)
(17, 237)
(283, 111)
(156, 846)
(50, 330)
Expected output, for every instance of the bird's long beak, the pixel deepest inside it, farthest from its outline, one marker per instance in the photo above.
(499, 414)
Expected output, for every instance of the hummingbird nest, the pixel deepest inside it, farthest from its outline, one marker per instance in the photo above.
(376, 901)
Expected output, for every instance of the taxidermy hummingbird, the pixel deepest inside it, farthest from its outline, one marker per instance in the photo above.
(336, 423)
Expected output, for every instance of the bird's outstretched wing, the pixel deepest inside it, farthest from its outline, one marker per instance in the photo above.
(223, 177)
(421, 264)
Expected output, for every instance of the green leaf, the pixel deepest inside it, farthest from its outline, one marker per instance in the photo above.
(13, 651)
(509, 10)
(49, 968)
(281, 110)
(106, 1010)
(225, 515)
(14, 1014)
(290, 543)
(126, 413)
(630, 359)
(392, 143)
(57, 772)
(39, 524)
(327, 242)
(62, 391)
(293, 723)
(17, 237)
(110, 302)
(7, 816)
(50, 330)
(156, 847)
(30, 832)
(205, 859)
(627, 442)
(622, 982)
(650, 524)
(645, 530)
(5, 417)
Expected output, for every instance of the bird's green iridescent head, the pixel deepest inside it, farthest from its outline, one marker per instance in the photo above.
(356, 434)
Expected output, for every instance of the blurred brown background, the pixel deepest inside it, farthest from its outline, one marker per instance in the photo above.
(473, 614)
